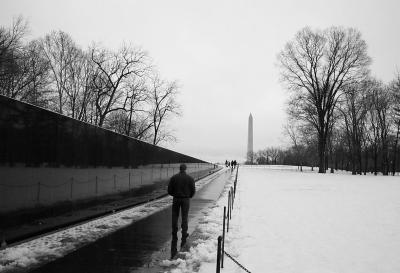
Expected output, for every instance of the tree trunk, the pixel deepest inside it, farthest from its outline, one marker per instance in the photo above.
(395, 151)
(353, 162)
(384, 158)
(366, 161)
(375, 160)
(321, 153)
(353, 153)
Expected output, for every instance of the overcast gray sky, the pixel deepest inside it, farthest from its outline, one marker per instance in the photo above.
(223, 53)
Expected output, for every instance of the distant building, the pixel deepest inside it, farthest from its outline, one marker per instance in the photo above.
(250, 153)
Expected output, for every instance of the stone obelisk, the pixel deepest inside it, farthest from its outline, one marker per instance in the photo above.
(250, 141)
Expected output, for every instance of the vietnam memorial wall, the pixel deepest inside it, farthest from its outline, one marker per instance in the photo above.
(46, 158)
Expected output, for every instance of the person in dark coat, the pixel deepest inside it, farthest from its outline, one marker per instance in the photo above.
(181, 186)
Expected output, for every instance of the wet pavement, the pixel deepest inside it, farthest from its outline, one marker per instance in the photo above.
(135, 247)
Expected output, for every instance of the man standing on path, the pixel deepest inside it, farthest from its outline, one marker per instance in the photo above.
(181, 187)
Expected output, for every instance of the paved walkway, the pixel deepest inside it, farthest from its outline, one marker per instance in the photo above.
(138, 247)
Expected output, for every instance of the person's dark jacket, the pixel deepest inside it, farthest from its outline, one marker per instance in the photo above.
(181, 185)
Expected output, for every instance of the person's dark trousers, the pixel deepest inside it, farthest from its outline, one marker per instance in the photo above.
(179, 204)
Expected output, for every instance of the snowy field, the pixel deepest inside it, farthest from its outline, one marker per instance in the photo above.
(287, 221)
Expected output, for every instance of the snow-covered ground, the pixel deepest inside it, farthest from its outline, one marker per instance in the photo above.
(44, 249)
(287, 221)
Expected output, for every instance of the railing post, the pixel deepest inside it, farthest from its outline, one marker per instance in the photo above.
(223, 238)
(115, 183)
(227, 216)
(232, 200)
(229, 204)
(234, 184)
(219, 255)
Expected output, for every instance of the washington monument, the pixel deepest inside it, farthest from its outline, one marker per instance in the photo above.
(250, 141)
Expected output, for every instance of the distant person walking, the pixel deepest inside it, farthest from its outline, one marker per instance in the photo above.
(181, 187)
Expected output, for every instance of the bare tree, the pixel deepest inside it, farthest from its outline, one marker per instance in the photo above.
(354, 110)
(316, 66)
(11, 38)
(261, 157)
(35, 83)
(134, 120)
(163, 105)
(28, 77)
(12, 57)
(291, 130)
(273, 153)
(78, 88)
(107, 88)
(395, 89)
(60, 51)
(372, 135)
(114, 72)
(138, 121)
(380, 106)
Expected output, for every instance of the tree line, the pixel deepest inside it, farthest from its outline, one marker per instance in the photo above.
(340, 116)
(118, 90)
